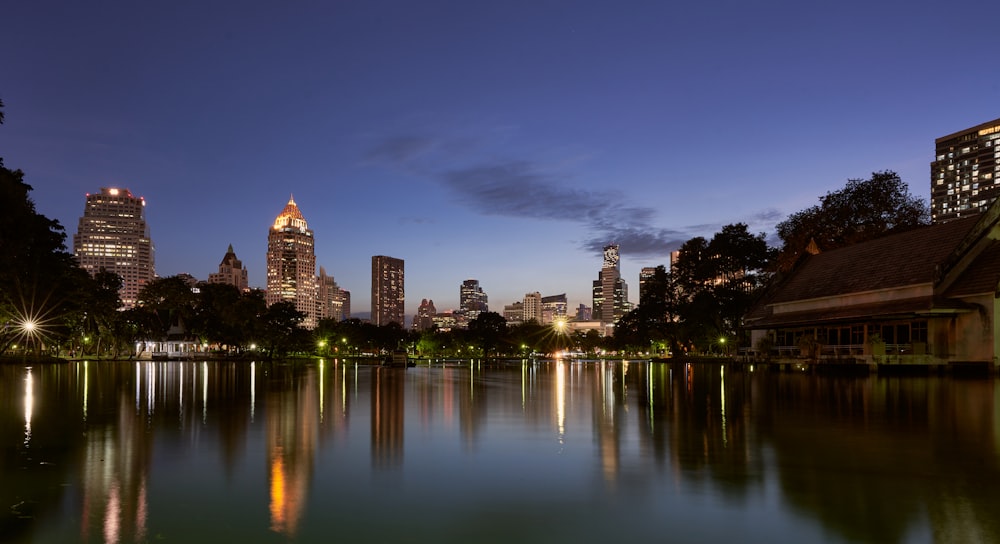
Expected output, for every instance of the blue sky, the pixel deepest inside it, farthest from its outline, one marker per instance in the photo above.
(502, 141)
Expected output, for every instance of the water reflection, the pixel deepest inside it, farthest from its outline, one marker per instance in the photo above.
(120, 452)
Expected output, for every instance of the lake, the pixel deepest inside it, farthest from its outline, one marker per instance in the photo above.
(475, 451)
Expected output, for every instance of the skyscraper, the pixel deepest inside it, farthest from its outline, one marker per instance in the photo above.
(291, 263)
(532, 307)
(330, 298)
(231, 271)
(610, 290)
(387, 290)
(424, 320)
(472, 299)
(965, 174)
(113, 235)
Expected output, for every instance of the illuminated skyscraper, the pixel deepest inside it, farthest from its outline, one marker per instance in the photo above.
(610, 290)
(387, 290)
(291, 263)
(231, 271)
(965, 174)
(472, 299)
(113, 235)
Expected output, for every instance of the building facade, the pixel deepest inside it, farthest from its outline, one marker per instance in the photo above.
(472, 299)
(113, 235)
(610, 292)
(424, 320)
(927, 296)
(554, 307)
(388, 293)
(965, 174)
(532, 306)
(291, 263)
(330, 298)
(231, 271)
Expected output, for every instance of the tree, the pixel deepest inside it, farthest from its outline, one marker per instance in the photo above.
(39, 280)
(864, 209)
(488, 330)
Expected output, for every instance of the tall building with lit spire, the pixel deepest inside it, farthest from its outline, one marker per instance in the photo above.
(610, 290)
(291, 263)
(113, 235)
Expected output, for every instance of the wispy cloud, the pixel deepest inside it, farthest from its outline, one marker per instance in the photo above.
(527, 189)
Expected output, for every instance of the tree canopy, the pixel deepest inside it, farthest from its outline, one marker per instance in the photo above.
(864, 209)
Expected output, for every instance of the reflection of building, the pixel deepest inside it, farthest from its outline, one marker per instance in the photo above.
(113, 235)
(965, 174)
(231, 271)
(292, 430)
(610, 290)
(291, 263)
(387, 290)
(387, 416)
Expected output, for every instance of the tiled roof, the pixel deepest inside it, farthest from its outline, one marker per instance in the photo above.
(980, 277)
(895, 260)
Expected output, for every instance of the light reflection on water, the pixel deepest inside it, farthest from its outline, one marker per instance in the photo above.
(487, 451)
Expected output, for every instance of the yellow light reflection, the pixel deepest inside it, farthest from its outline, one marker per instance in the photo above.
(561, 399)
(86, 376)
(322, 381)
(278, 504)
(722, 401)
(253, 389)
(29, 402)
(204, 392)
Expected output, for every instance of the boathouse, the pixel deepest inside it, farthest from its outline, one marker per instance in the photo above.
(927, 296)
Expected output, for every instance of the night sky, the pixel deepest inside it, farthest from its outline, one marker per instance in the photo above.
(502, 141)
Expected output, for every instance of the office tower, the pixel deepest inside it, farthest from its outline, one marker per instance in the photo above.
(965, 174)
(113, 235)
(610, 292)
(472, 299)
(646, 276)
(231, 271)
(345, 303)
(387, 290)
(291, 263)
(583, 313)
(514, 313)
(424, 320)
(554, 307)
(329, 301)
(533, 307)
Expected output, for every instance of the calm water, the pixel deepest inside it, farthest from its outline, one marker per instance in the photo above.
(476, 452)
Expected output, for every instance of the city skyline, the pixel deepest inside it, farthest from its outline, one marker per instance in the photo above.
(507, 143)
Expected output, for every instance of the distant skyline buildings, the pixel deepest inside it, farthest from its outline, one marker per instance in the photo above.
(965, 173)
(388, 291)
(112, 234)
(610, 292)
(472, 299)
(231, 271)
(291, 263)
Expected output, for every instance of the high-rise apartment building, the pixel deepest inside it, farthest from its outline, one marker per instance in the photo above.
(610, 292)
(291, 263)
(387, 290)
(113, 235)
(965, 174)
(330, 299)
(472, 299)
(554, 308)
(231, 271)
(532, 307)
